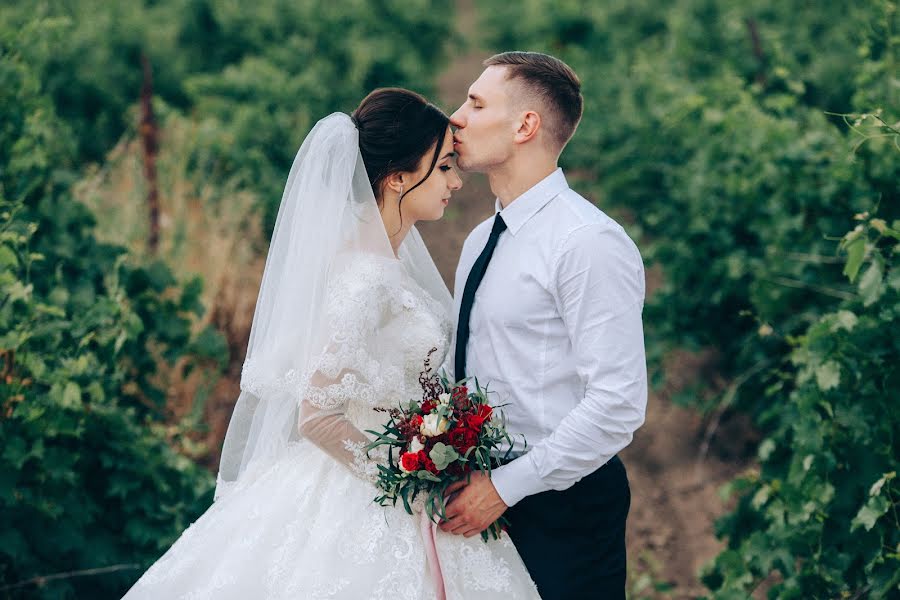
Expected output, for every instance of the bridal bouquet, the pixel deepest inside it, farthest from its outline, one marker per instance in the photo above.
(434, 442)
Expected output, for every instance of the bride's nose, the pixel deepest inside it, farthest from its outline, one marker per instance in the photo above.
(455, 181)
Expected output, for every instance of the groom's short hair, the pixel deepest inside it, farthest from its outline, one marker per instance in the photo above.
(553, 82)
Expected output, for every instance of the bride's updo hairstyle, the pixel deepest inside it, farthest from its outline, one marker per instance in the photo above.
(397, 127)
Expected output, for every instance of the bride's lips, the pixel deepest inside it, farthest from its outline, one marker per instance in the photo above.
(445, 201)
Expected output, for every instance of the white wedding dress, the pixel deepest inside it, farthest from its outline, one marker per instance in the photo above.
(306, 527)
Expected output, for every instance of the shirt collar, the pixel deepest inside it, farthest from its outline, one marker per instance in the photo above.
(520, 210)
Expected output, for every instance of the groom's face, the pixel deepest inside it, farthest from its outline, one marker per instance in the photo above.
(485, 127)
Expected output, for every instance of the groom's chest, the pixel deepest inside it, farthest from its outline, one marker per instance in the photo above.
(518, 288)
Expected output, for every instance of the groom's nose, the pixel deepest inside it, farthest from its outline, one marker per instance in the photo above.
(456, 118)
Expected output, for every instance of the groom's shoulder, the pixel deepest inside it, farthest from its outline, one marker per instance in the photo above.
(573, 211)
(582, 222)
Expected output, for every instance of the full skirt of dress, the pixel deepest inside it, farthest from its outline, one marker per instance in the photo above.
(307, 528)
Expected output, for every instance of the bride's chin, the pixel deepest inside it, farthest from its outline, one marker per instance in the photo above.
(437, 215)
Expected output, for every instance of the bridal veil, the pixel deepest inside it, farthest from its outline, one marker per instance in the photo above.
(328, 215)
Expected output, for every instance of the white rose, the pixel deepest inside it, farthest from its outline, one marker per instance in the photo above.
(415, 445)
(433, 425)
(444, 398)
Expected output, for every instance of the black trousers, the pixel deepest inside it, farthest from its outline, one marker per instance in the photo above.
(573, 541)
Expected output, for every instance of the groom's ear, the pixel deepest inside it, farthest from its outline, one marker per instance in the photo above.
(529, 125)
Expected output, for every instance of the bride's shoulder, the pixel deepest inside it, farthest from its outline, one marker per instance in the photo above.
(363, 274)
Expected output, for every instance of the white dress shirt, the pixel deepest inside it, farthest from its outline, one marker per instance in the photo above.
(556, 334)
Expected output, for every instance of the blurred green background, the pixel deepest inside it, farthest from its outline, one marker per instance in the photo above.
(752, 148)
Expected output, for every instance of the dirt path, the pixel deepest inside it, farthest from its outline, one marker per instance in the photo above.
(675, 499)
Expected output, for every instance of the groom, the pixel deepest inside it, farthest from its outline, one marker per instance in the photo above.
(549, 294)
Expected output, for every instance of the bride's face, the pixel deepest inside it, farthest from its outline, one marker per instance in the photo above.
(428, 201)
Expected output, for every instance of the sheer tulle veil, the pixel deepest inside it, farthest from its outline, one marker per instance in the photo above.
(328, 216)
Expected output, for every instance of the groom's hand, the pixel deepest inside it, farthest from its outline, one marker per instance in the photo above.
(473, 507)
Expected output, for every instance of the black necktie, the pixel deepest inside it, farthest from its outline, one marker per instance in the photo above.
(468, 297)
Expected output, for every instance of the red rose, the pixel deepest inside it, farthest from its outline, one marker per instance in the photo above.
(473, 422)
(426, 462)
(462, 439)
(416, 421)
(485, 411)
(428, 406)
(409, 462)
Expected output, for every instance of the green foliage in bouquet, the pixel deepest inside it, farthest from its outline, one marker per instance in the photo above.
(442, 439)
(89, 477)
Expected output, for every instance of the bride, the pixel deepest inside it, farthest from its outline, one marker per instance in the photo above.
(349, 307)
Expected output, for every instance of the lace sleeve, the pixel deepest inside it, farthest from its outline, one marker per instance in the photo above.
(348, 370)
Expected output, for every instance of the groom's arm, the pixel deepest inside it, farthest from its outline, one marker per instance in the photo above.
(599, 293)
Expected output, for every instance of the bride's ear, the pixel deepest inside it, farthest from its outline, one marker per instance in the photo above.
(394, 182)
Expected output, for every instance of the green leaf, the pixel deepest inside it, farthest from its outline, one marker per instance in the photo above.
(893, 278)
(765, 449)
(876, 487)
(71, 397)
(8, 258)
(18, 291)
(443, 455)
(828, 375)
(856, 250)
(871, 284)
(869, 514)
(404, 495)
(808, 461)
(844, 319)
(761, 497)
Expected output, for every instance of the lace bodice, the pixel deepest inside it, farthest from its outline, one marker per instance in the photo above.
(380, 328)
(383, 326)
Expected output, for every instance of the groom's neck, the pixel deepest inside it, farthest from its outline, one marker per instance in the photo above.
(518, 175)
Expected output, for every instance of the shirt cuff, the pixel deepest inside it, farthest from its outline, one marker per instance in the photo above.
(517, 479)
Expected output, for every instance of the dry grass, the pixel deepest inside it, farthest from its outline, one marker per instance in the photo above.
(213, 231)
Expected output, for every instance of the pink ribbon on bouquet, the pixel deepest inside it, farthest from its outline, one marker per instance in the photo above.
(429, 530)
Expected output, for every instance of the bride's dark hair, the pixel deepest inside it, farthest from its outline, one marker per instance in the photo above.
(397, 127)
